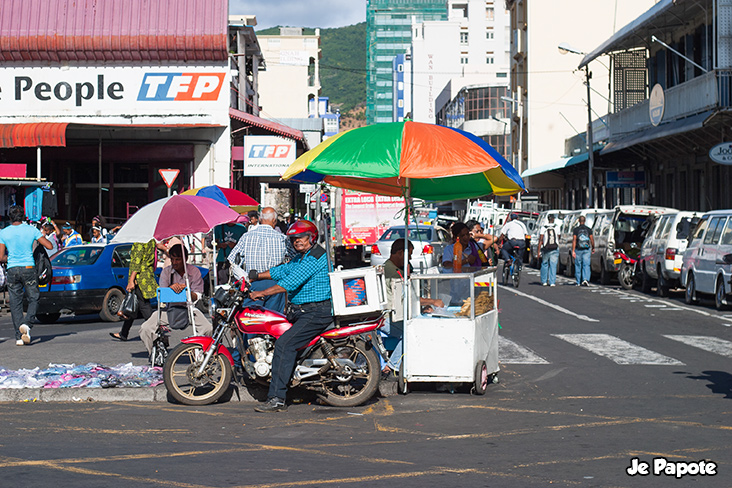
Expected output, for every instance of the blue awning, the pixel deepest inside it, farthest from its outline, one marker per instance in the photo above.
(664, 130)
(558, 164)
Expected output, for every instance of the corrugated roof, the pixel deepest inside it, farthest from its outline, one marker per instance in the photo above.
(100, 30)
(270, 125)
(33, 134)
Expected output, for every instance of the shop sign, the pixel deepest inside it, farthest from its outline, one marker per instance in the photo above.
(656, 104)
(722, 153)
(112, 91)
(625, 179)
(267, 155)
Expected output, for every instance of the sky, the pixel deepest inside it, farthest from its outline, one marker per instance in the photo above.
(301, 13)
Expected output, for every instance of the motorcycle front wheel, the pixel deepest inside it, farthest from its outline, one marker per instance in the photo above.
(181, 378)
(357, 381)
(626, 276)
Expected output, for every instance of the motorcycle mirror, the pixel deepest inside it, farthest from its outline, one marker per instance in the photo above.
(253, 275)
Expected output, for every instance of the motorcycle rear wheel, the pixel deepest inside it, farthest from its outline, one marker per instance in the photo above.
(179, 375)
(626, 276)
(354, 387)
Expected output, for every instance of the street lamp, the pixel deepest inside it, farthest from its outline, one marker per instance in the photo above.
(565, 48)
(505, 124)
(517, 164)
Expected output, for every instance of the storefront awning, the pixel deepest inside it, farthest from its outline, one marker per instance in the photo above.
(664, 130)
(558, 164)
(270, 125)
(33, 134)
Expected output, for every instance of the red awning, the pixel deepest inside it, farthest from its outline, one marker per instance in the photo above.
(270, 125)
(33, 135)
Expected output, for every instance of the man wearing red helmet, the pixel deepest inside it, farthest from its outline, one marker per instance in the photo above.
(305, 279)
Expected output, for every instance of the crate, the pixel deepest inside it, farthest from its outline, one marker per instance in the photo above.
(358, 291)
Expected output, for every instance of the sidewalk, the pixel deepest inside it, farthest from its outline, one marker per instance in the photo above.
(80, 340)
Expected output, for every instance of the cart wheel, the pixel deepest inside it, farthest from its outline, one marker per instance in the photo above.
(402, 385)
(481, 378)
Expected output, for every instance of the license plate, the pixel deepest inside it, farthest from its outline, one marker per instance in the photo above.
(618, 261)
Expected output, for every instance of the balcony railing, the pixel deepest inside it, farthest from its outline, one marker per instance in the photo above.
(705, 92)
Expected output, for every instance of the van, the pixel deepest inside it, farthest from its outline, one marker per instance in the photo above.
(540, 222)
(625, 231)
(488, 214)
(571, 220)
(662, 252)
(707, 263)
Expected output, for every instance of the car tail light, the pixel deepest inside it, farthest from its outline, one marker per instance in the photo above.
(671, 253)
(66, 280)
(375, 249)
(428, 249)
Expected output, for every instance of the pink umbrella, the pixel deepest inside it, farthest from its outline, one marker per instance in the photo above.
(174, 216)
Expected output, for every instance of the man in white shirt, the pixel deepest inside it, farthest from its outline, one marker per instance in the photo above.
(513, 235)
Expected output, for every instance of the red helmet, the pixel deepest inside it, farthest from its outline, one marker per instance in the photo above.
(302, 227)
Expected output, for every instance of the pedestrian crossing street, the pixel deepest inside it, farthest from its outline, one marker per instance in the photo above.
(617, 350)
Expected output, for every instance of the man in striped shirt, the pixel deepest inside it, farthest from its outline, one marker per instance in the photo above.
(306, 280)
(261, 249)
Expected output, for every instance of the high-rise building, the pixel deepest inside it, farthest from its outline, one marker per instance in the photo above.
(388, 33)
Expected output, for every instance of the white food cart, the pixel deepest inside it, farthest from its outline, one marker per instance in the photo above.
(457, 343)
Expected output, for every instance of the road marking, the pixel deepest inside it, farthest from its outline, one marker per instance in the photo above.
(549, 304)
(617, 350)
(511, 353)
(656, 305)
(710, 344)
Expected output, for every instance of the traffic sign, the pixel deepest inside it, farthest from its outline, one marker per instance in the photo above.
(169, 175)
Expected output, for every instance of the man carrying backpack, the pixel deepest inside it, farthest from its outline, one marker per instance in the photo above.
(548, 252)
(583, 245)
(18, 239)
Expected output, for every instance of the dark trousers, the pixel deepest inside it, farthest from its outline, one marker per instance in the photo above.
(22, 279)
(308, 320)
(512, 244)
(145, 310)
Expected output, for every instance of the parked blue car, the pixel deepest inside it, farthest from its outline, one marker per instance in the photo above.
(89, 279)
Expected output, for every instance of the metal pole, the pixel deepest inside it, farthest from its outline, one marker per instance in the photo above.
(590, 152)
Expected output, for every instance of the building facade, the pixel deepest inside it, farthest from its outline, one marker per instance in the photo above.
(388, 33)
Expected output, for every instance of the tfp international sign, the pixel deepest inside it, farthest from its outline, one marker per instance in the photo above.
(132, 90)
(267, 155)
(722, 153)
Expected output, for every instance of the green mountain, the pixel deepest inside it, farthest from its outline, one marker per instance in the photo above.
(342, 66)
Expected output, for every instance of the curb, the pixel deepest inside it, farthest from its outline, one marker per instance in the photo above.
(78, 395)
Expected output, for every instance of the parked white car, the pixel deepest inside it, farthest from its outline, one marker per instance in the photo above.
(429, 244)
(707, 263)
(662, 252)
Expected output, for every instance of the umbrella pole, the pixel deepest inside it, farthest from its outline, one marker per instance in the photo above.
(405, 287)
(189, 299)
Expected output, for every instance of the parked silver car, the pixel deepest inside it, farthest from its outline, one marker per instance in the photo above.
(662, 252)
(429, 244)
(707, 264)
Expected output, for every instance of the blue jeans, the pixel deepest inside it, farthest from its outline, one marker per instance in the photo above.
(582, 265)
(21, 278)
(512, 244)
(549, 261)
(275, 303)
(308, 320)
(395, 329)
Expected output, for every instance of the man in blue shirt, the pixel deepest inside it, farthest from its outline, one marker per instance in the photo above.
(18, 239)
(305, 278)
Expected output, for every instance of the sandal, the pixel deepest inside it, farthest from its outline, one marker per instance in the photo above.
(116, 336)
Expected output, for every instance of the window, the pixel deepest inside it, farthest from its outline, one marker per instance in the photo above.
(711, 232)
(463, 38)
(727, 235)
(501, 75)
(718, 231)
(488, 59)
(667, 227)
(489, 34)
(699, 229)
(463, 60)
(490, 14)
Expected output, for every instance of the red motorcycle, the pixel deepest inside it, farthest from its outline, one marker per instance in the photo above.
(628, 263)
(341, 364)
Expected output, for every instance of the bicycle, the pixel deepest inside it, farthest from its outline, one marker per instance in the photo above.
(512, 269)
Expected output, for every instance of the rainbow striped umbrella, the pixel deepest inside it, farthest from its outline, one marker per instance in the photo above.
(409, 159)
(237, 200)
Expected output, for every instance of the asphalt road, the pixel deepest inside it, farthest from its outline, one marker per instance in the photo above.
(590, 379)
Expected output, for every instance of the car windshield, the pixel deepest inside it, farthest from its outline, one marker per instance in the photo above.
(77, 256)
(422, 234)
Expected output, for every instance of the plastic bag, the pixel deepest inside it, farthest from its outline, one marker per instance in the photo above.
(130, 306)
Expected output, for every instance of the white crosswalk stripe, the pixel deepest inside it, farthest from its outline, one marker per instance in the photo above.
(710, 344)
(617, 350)
(511, 353)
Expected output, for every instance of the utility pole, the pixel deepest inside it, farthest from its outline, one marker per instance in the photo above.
(590, 152)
